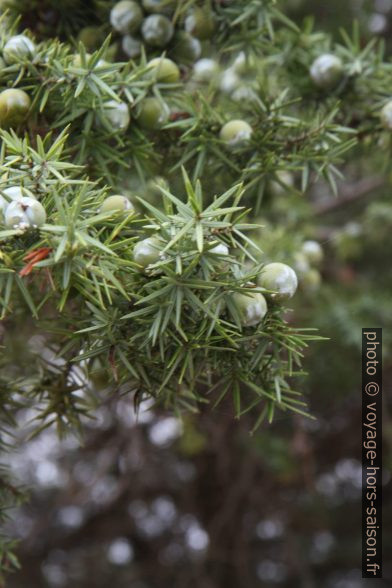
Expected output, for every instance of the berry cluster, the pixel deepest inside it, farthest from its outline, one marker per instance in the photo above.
(278, 281)
(153, 23)
(14, 103)
(307, 262)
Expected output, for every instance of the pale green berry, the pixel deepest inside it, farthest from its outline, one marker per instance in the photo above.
(280, 279)
(236, 133)
(24, 213)
(313, 252)
(251, 306)
(157, 30)
(386, 115)
(147, 251)
(205, 70)
(327, 70)
(117, 204)
(126, 17)
(164, 70)
(18, 47)
(311, 280)
(117, 114)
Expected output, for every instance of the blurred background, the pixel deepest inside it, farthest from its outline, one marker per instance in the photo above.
(149, 501)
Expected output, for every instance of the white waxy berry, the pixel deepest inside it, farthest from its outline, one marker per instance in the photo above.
(18, 47)
(117, 114)
(220, 249)
(251, 306)
(327, 70)
(25, 213)
(147, 251)
(313, 251)
(9, 194)
(126, 16)
(229, 81)
(280, 279)
(205, 70)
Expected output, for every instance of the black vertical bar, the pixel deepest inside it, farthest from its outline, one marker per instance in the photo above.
(372, 453)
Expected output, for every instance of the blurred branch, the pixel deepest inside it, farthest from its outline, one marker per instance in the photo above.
(351, 193)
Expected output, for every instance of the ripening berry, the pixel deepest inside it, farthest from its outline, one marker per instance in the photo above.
(117, 204)
(386, 115)
(313, 252)
(205, 70)
(24, 213)
(147, 251)
(152, 113)
(164, 70)
(131, 46)
(18, 47)
(185, 48)
(117, 114)
(236, 133)
(157, 30)
(126, 17)
(14, 106)
(327, 70)
(251, 306)
(200, 23)
(280, 279)
(91, 37)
